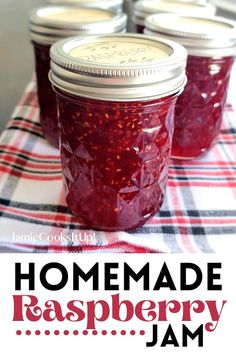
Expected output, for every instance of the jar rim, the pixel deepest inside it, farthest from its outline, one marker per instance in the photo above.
(210, 35)
(46, 30)
(93, 72)
(143, 8)
(118, 94)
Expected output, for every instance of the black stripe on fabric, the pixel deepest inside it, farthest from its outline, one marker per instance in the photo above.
(198, 230)
(27, 131)
(7, 203)
(211, 213)
(170, 238)
(28, 158)
(198, 213)
(23, 169)
(202, 243)
(194, 230)
(22, 119)
(8, 183)
(218, 179)
(228, 131)
(12, 182)
(39, 222)
(186, 168)
(226, 153)
(226, 142)
(162, 213)
(36, 207)
(41, 249)
(213, 230)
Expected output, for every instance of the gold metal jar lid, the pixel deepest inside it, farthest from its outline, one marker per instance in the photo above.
(121, 67)
(208, 36)
(144, 8)
(112, 5)
(51, 23)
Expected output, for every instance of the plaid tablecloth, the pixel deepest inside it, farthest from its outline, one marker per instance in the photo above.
(198, 215)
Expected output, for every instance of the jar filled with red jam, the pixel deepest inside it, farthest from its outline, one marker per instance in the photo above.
(51, 23)
(116, 97)
(211, 46)
(144, 8)
(111, 5)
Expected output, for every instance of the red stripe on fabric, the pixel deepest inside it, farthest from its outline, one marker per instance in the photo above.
(16, 140)
(201, 184)
(201, 163)
(46, 216)
(29, 153)
(25, 125)
(58, 218)
(201, 173)
(37, 166)
(219, 154)
(67, 219)
(229, 137)
(20, 174)
(192, 221)
(119, 247)
(19, 138)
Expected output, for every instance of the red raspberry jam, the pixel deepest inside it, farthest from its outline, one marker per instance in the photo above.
(138, 28)
(115, 158)
(46, 96)
(145, 8)
(47, 25)
(116, 98)
(199, 109)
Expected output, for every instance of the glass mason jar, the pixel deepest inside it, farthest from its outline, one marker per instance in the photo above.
(128, 8)
(111, 5)
(144, 8)
(211, 45)
(47, 25)
(225, 8)
(116, 97)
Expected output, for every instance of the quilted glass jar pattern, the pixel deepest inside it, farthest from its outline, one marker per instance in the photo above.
(115, 158)
(211, 45)
(199, 109)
